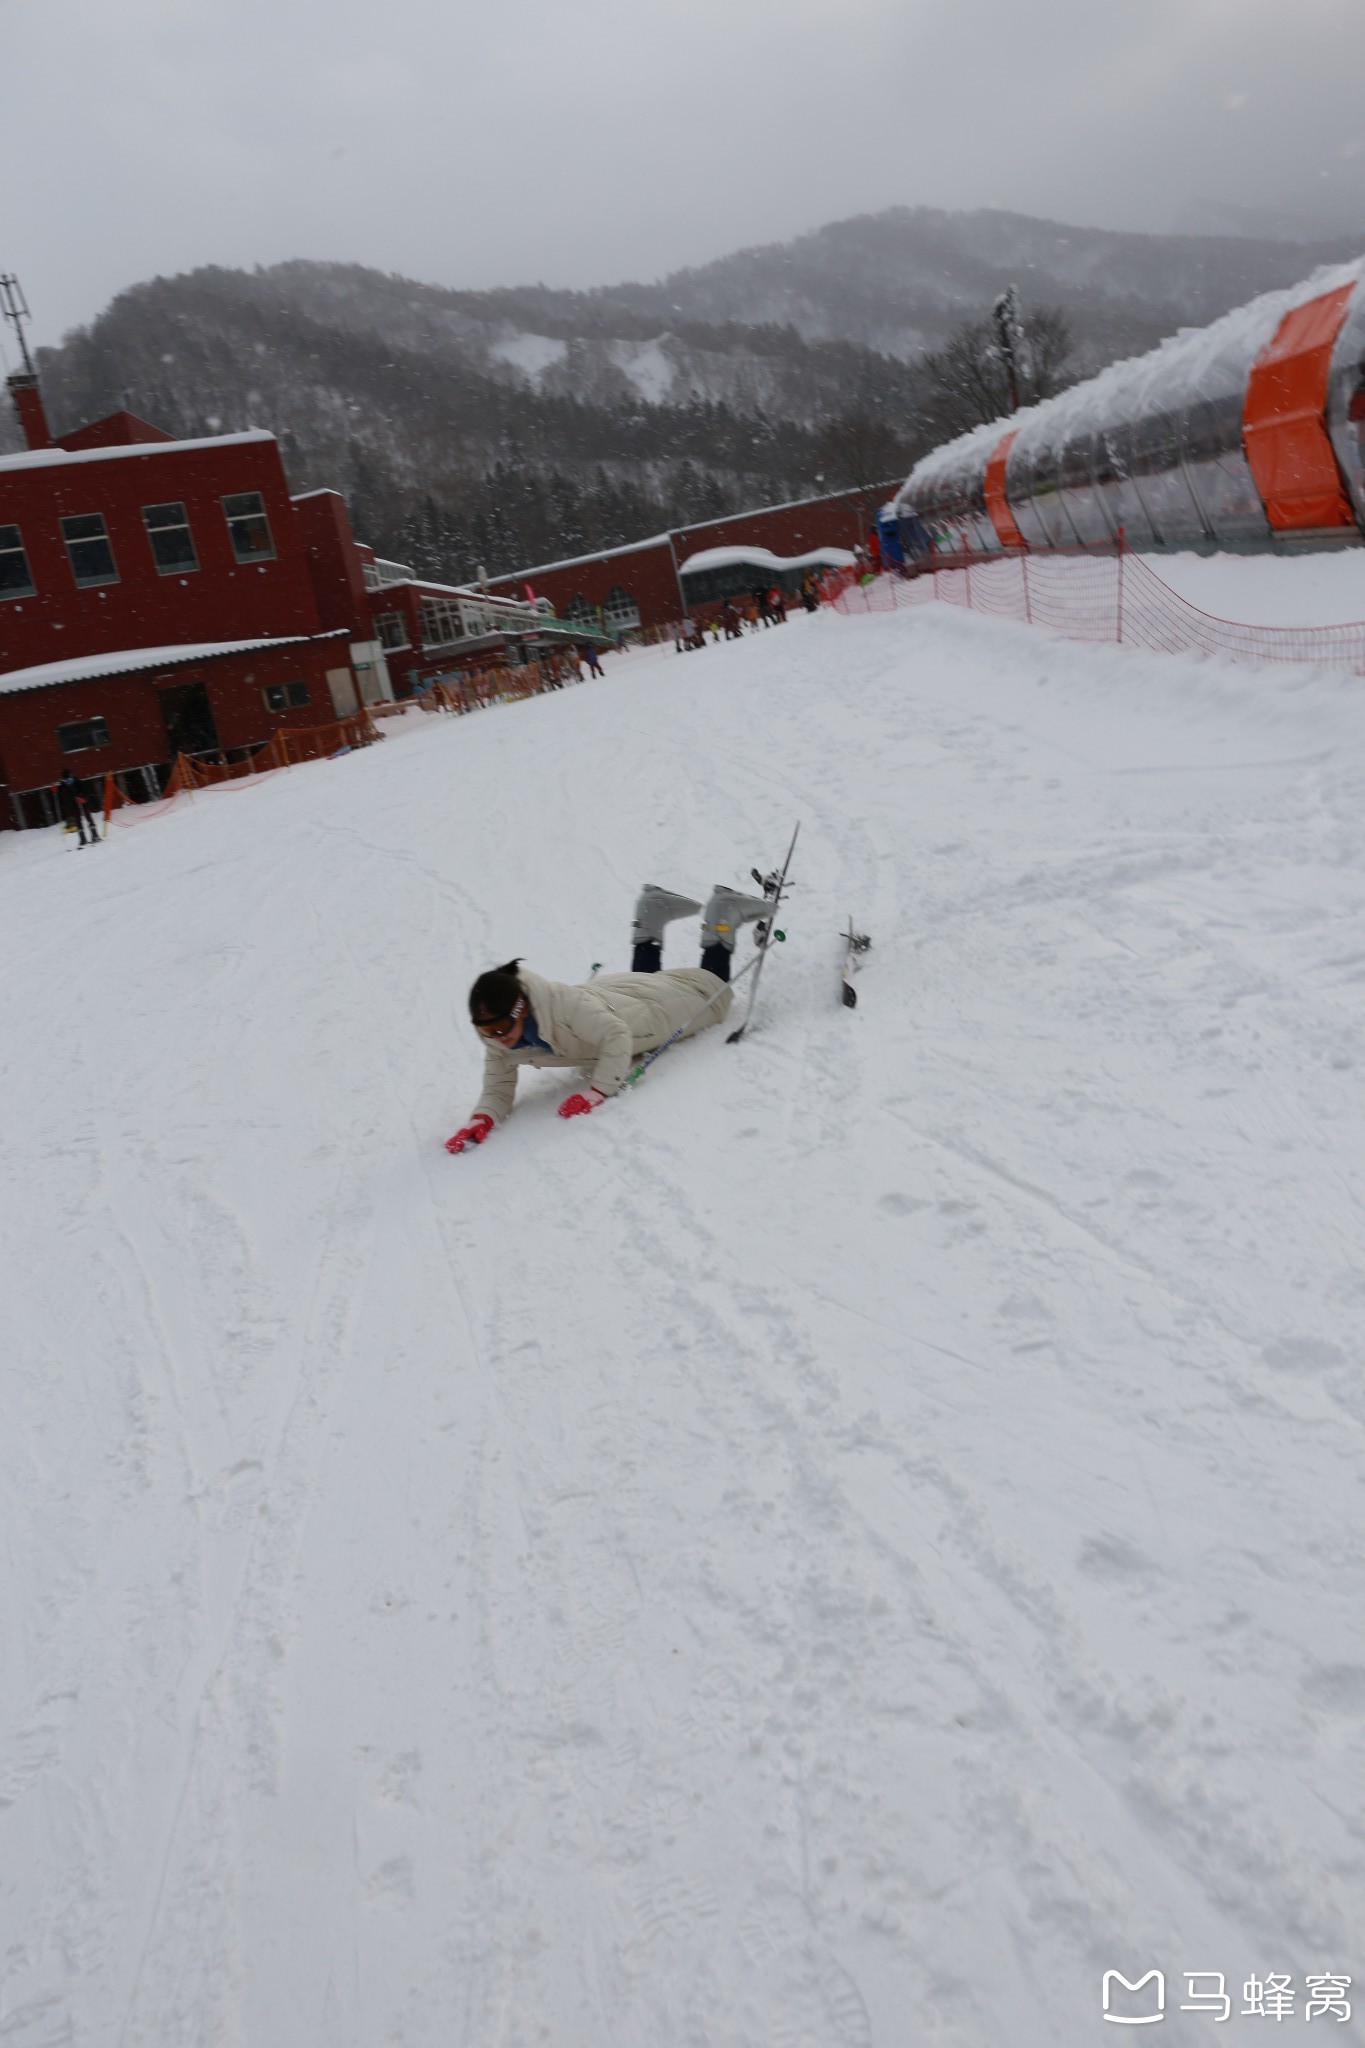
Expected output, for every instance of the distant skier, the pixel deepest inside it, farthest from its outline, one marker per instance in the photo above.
(74, 803)
(603, 1025)
(589, 654)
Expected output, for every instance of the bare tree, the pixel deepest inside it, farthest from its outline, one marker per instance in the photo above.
(967, 382)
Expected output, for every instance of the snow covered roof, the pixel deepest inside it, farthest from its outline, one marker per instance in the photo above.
(126, 451)
(467, 590)
(1206, 361)
(80, 668)
(764, 558)
(634, 547)
(663, 540)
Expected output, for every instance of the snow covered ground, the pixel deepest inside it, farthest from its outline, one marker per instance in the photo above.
(1325, 589)
(840, 1547)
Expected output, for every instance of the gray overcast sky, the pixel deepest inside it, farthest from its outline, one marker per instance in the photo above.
(579, 142)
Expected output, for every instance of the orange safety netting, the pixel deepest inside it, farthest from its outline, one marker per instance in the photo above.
(289, 744)
(1286, 441)
(1105, 597)
(478, 688)
(114, 800)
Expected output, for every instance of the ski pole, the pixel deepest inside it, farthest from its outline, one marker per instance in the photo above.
(636, 1073)
(772, 933)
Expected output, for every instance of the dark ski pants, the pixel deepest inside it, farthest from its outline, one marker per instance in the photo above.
(648, 958)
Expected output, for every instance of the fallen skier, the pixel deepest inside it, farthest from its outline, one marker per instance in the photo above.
(602, 1025)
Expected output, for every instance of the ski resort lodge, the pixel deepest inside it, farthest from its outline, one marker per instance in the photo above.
(162, 597)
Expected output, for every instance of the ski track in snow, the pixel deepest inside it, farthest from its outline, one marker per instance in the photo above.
(839, 1548)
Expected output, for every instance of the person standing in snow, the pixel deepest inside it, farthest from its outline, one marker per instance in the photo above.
(603, 1025)
(74, 805)
(589, 654)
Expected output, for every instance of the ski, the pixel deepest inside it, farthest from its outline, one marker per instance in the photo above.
(638, 1071)
(856, 944)
(766, 932)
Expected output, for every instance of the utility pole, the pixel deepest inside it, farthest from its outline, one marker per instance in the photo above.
(14, 307)
(23, 384)
(1009, 329)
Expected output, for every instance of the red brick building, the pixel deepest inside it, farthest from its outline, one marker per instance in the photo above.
(161, 596)
(639, 585)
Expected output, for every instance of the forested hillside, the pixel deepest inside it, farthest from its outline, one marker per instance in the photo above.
(506, 427)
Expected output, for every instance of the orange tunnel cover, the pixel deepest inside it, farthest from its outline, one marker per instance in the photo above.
(1284, 423)
(997, 504)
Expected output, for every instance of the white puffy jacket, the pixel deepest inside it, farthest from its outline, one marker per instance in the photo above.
(601, 1026)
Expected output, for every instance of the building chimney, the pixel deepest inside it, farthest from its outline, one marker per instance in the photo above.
(28, 403)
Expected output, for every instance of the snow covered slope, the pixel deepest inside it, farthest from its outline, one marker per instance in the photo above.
(841, 1547)
(1326, 589)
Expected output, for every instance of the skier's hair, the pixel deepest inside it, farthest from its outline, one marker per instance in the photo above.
(495, 991)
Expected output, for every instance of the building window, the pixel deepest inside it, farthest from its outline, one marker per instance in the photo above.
(168, 530)
(441, 622)
(620, 610)
(82, 733)
(87, 545)
(279, 696)
(392, 628)
(16, 580)
(578, 612)
(249, 527)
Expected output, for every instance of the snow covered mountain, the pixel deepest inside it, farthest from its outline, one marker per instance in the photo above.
(505, 427)
(844, 1545)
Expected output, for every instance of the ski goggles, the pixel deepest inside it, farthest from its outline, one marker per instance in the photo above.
(500, 1027)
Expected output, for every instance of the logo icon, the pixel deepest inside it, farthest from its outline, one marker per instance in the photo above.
(1156, 1999)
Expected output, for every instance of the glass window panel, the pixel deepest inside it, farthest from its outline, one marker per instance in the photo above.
(1161, 481)
(15, 577)
(1075, 477)
(1219, 471)
(1115, 487)
(441, 621)
(82, 733)
(1033, 461)
(88, 550)
(172, 543)
(1215, 372)
(620, 609)
(249, 527)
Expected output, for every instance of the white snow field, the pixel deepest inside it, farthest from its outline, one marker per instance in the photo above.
(1321, 589)
(844, 1545)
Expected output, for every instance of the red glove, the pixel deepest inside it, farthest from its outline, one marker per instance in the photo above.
(579, 1105)
(474, 1133)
